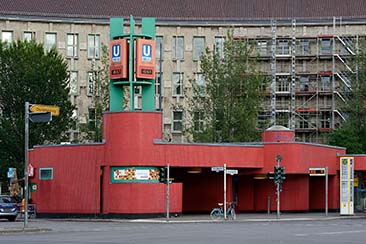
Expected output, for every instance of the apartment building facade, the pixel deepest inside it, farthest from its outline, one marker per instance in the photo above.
(305, 56)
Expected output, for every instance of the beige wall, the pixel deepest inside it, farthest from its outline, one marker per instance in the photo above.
(189, 67)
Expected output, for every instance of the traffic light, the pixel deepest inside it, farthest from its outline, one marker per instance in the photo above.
(279, 174)
(162, 175)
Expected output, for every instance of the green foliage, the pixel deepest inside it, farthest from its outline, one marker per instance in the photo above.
(28, 73)
(93, 131)
(225, 109)
(352, 134)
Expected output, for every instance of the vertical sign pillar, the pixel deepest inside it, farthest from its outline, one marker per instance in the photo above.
(115, 92)
(148, 92)
(346, 184)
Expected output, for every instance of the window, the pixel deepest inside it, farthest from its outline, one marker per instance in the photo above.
(178, 48)
(158, 78)
(177, 84)
(91, 118)
(50, 41)
(325, 83)
(304, 83)
(219, 45)
(91, 79)
(198, 47)
(325, 119)
(7, 36)
(283, 84)
(73, 82)
(94, 46)
(28, 36)
(200, 83)
(159, 42)
(283, 47)
(304, 47)
(177, 121)
(325, 46)
(198, 119)
(261, 48)
(72, 45)
(46, 173)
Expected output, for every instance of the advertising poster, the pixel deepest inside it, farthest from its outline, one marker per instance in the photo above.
(346, 184)
(134, 174)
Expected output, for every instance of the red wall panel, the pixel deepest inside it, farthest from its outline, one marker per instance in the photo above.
(293, 196)
(246, 193)
(75, 184)
(203, 192)
(141, 198)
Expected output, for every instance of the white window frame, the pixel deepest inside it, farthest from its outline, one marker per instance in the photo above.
(177, 83)
(72, 45)
(198, 121)
(198, 47)
(73, 82)
(283, 47)
(178, 47)
(326, 46)
(200, 82)
(305, 47)
(5, 38)
(29, 35)
(49, 45)
(219, 45)
(93, 46)
(325, 83)
(159, 40)
(176, 121)
(90, 83)
(262, 48)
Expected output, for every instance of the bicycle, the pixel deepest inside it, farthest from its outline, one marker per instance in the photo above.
(218, 213)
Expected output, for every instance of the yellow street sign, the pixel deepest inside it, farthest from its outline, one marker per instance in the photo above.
(37, 108)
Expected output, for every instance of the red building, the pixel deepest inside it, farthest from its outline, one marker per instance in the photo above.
(118, 177)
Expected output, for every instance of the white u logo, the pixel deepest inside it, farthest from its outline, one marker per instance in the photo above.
(146, 50)
(116, 51)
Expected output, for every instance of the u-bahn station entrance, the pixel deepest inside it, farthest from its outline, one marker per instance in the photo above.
(122, 175)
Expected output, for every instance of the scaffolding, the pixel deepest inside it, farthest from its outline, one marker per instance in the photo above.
(310, 77)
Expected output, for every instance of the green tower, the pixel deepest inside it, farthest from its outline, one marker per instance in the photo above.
(132, 63)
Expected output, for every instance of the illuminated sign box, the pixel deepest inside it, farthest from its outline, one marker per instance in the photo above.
(118, 59)
(132, 174)
(145, 59)
(317, 171)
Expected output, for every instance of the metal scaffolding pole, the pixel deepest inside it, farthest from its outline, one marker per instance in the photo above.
(293, 76)
(273, 73)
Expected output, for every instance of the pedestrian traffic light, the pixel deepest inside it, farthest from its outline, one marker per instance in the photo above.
(162, 175)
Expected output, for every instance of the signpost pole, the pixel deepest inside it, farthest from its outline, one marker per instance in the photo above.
(326, 191)
(26, 145)
(224, 191)
(167, 192)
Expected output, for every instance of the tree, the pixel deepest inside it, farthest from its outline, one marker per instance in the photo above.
(28, 73)
(225, 107)
(352, 133)
(100, 103)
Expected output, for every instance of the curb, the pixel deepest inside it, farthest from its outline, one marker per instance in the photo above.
(24, 230)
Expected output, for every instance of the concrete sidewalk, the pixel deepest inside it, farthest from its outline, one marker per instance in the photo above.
(42, 225)
(253, 217)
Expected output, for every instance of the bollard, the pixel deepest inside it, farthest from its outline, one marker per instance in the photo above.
(268, 205)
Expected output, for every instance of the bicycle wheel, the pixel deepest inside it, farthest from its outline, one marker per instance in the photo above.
(232, 214)
(215, 214)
